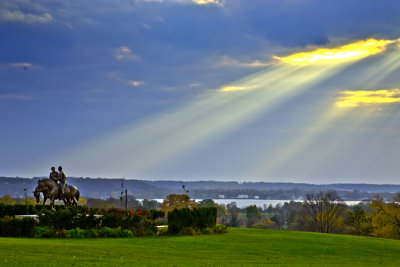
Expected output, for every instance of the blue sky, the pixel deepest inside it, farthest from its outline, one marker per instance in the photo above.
(135, 89)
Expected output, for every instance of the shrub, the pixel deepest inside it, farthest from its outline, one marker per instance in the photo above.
(207, 230)
(61, 234)
(221, 229)
(91, 233)
(76, 233)
(196, 218)
(149, 232)
(126, 233)
(189, 231)
(44, 231)
(108, 232)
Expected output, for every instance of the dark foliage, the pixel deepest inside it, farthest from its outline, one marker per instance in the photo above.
(17, 227)
(195, 218)
(138, 222)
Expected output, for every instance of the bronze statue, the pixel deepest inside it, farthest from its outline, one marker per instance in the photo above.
(53, 175)
(51, 190)
(62, 179)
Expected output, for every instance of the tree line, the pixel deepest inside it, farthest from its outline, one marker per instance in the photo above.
(322, 212)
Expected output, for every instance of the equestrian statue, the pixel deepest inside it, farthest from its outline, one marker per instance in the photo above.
(55, 188)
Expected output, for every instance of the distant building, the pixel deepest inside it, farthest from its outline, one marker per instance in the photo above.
(242, 196)
(221, 196)
(256, 197)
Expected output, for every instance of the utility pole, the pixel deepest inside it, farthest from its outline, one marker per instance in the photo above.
(26, 196)
(185, 192)
(122, 192)
(126, 199)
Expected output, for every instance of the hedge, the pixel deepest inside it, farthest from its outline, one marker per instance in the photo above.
(23, 209)
(16, 227)
(194, 218)
(138, 222)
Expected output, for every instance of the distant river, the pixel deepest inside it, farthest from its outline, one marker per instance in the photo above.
(242, 203)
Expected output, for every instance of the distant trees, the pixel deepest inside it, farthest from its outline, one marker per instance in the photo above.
(8, 200)
(151, 204)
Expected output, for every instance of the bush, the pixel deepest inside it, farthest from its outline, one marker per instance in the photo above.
(44, 231)
(126, 233)
(196, 218)
(76, 233)
(108, 232)
(221, 229)
(189, 231)
(207, 231)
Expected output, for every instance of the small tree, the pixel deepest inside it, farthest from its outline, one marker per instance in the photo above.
(253, 215)
(324, 214)
(233, 213)
(385, 218)
(175, 201)
(359, 220)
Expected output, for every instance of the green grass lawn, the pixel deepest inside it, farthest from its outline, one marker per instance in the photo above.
(239, 247)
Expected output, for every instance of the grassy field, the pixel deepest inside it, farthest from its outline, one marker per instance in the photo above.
(239, 247)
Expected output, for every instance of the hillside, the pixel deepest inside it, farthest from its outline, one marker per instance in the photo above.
(106, 188)
(239, 247)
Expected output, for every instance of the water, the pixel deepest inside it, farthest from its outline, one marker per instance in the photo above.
(243, 203)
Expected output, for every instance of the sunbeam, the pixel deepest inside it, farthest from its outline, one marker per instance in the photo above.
(148, 147)
(291, 149)
(356, 50)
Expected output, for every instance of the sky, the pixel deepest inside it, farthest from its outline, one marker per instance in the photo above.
(228, 90)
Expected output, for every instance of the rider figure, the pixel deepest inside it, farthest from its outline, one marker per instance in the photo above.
(62, 178)
(54, 175)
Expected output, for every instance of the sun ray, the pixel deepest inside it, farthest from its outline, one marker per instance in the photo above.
(352, 51)
(154, 144)
(350, 99)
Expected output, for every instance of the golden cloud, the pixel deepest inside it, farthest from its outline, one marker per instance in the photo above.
(356, 50)
(358, 98)
(205, 2)
(231, 88)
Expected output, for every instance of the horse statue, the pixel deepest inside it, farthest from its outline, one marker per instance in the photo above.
(51, 190)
